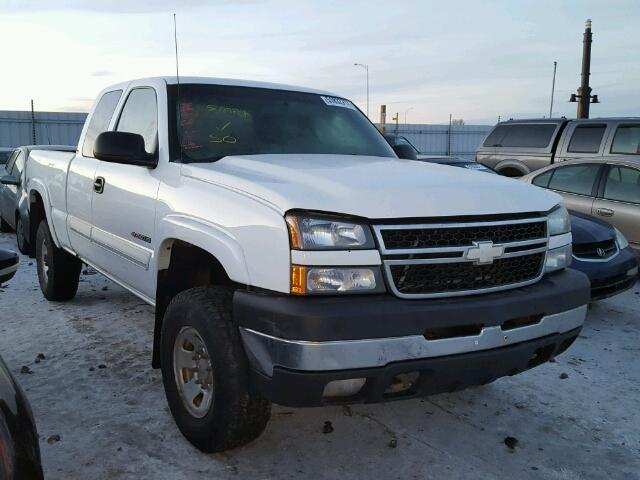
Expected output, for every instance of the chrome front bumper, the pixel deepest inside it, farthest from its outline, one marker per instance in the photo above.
(266, 352)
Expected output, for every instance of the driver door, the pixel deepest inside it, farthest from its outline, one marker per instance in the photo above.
(124, 201)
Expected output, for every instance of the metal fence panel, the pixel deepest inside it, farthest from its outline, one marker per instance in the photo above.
(457, 140)
(51, 128)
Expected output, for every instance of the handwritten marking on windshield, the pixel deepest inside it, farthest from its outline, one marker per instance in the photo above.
(213, 138)
(225, 126)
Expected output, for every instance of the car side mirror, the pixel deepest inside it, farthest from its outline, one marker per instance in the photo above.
(8, 265)
(405, 151)
(9, 180)
(123, 147)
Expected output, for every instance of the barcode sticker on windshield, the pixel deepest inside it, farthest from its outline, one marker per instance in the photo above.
(338, 102)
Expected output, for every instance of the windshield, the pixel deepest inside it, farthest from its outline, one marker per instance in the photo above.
(210, 122)
(4, 156)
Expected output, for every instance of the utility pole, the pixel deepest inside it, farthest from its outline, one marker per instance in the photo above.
(553, 88)
(33, 124)
(383, 117)
(396, 119)
(366, 68)
(584, 97)
(449, 136)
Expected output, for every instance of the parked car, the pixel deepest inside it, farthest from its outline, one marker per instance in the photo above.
(294, 267)
(8, 265)
(604, 255)
(5, 153)
(14, 202)
(406, 150)
(19, 447)
(518, 147)
(600, 251)
(609, 189)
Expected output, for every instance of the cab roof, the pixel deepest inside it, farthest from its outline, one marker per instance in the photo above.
(172, 80)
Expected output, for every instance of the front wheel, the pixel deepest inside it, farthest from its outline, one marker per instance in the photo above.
(58, 271)
(206, 373)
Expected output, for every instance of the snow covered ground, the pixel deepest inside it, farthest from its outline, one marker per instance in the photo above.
(96, 390)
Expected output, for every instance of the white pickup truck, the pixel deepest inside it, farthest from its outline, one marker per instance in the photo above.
(292, 257)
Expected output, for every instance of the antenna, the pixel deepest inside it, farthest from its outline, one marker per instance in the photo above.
(175, 41)
(178, 107)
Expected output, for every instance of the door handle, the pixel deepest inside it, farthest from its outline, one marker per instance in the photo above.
(98, 185)
(605, 212)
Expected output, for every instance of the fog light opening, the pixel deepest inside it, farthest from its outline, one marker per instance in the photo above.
(343, 388)
(402, 382)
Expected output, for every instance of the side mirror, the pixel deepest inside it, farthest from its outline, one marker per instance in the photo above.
(9, 180)
(405, 151)
(123, 147)
(8, 265)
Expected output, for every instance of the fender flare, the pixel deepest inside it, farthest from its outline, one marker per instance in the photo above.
(210, 237)
(511, 163)
(39, 187)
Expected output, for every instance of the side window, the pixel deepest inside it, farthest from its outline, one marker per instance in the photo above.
(542, 180)
(529, 135)
(586, 139)
(495, 137)
(627, 140)
(140, 115)
(577, 179)
(100, 120)
(18, 165)
(623, 185)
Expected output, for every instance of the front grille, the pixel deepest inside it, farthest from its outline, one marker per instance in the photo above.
(449, 259)
(596, 250)
(464, 276)
(461, 236)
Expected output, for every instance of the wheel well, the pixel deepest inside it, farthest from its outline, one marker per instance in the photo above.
(182, 266)
(36, 215)
(511, 172)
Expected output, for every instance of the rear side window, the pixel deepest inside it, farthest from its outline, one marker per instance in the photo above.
(578, 179)
(623, 185)
(627, 140)
(528, 135)
(140, 115)
(542, 180)
(495, 137)
(586, 139)
(100, 120)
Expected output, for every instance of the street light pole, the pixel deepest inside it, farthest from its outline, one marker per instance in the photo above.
(366, 68)
(405, 114)
(553, 88)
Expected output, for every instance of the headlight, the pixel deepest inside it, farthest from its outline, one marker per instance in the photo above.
(308, 232)
(620, 240)
(558, 258)
(325, 280)
(559, 221)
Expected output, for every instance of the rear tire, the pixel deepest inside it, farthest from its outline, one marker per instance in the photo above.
(203, 358)
(21, 238)
(58, 271)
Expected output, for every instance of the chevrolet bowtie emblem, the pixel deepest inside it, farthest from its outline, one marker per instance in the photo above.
(483, 253)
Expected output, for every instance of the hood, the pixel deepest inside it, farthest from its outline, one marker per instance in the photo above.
(371, 187)
(587, 229)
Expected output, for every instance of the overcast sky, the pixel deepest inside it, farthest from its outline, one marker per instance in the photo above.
(474, 59)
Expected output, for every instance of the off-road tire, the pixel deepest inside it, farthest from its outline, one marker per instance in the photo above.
(21, 238)
(236, 415)
(58, 271)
